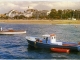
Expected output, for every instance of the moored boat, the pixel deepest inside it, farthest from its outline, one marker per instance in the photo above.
(11, 31)
(60, 50)
(49, 42)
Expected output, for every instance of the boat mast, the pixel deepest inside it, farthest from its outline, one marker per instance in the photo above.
(0, 28)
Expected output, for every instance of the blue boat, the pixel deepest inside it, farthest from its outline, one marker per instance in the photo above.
(49, 41)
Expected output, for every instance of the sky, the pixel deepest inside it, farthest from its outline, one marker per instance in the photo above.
(22, 5)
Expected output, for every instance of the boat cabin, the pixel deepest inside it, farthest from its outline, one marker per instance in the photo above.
(51, 39)
(47, 39)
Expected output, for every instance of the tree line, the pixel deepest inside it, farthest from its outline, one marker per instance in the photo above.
(64, 14)
(54, 14)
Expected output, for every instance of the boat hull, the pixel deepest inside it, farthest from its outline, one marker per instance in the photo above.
(15, 32)
(49, 46)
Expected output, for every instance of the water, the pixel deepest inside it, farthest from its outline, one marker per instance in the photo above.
(16, 46)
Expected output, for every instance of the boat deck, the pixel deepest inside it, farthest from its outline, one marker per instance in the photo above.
(63, 43)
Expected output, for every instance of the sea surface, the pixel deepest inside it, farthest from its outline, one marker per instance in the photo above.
(16, 46)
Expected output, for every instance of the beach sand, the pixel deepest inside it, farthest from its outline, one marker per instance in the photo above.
(40, 21)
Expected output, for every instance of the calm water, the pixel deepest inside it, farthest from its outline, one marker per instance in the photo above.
(16, 47)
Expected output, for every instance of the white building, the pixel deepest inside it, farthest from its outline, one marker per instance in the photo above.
(13, 13)
(27, 13)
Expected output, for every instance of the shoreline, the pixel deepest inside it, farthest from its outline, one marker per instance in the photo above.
(53, 22)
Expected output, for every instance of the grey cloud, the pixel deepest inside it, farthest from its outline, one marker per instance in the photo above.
(22, 3)
(40, 5)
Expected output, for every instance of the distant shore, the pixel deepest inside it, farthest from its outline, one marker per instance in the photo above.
(41, 21)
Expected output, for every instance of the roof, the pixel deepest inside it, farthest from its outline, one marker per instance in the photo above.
(46, 35)
(52, 34)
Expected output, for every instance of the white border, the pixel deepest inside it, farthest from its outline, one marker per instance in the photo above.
(40, 0)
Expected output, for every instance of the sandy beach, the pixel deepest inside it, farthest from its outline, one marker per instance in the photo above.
(41, 21)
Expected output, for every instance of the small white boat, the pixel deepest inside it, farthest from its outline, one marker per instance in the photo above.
(11, 31)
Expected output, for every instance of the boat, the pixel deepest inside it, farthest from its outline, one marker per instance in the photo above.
(11, 31)
(48, 41)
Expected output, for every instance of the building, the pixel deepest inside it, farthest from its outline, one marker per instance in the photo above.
(13, 13)
(29, 12)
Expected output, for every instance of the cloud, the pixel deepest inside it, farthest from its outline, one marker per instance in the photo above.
(69, 5)
(6, 6)
(57, 5)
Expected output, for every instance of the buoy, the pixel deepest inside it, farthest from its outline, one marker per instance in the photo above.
(60, 50)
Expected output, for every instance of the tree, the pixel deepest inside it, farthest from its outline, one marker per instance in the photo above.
(60, 14)
(16, 17)
(6, 17)
(21, 17)
(53, 14)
